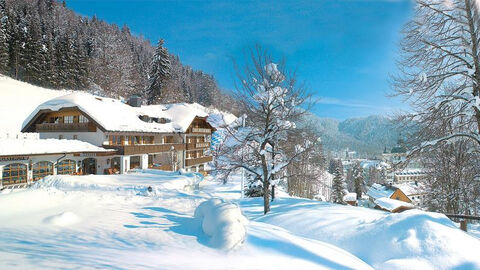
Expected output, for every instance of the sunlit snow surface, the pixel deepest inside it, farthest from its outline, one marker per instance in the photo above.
(115, 222)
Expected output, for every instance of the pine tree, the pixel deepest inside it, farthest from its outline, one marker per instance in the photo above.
(3, 38)
(358, 179)
(160, 73)
(33, 51)
(338, 186)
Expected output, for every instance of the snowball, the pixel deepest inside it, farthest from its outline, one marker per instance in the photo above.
(62, 219)
(223, 222)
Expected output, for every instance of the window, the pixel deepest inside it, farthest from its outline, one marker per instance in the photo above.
(42, 169)
(68, 119)
(168, 139)
(148, 139)
(66, 166)
(54, 120)
(14, 173)
(83, 119)
(116, 140)
(137, 139)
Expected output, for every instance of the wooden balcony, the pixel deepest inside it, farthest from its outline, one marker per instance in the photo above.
(129, 150)
(66, 127)
(200, 160)
(201, 130)
(198, 145)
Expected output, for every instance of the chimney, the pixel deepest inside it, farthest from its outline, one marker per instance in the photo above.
(135, 101)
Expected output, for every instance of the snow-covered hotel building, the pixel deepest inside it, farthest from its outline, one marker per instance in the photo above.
(84, 134)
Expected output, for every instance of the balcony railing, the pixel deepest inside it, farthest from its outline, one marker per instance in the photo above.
(201, 130)
(75, 127)
(198, 145)
(200, 160)
(146, 148)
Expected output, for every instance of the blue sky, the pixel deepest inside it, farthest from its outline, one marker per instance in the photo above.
(344, 50)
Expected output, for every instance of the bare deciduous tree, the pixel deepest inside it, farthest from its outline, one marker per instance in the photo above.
(452, 185)
(305, 173)
(273, 103)
(440, 70)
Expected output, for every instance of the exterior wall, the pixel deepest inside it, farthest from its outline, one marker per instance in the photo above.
(399, 195)
(144, 161)
(124, 164)
(30, 161)
(199, 134)
(403, 178)
(96, 138)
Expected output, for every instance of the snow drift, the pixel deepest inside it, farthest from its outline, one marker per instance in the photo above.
(63, 219)
(223, 222)
(412, 239)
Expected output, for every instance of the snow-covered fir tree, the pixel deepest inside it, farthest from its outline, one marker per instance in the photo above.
(3, 38)
(338, 186)
(44, 43)
(159, 75)
(358, 179)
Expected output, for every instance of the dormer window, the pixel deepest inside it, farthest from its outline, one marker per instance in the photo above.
(163, 120)
(145, 118)
(68, 119)
(82, 119)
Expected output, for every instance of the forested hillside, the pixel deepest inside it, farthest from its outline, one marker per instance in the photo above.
(368, 136)
(45, 43)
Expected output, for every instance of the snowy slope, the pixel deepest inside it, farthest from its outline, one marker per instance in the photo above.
(114, 222)
(18, 100)
(410, 240)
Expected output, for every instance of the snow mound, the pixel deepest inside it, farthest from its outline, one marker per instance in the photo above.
(63, 219)
(137, 181)
(223, 222)
(407, 240)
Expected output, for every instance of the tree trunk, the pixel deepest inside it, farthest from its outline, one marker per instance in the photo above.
(266, 197)
(476, 63)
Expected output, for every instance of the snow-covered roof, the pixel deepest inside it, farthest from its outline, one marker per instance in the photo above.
(411, 171)
(114, 115)
(350, 197)
(392, 205)
(377, 191)
(411, 188)
(378, 164)
(18, 147)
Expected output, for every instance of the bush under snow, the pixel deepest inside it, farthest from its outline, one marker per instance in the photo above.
(223, 222)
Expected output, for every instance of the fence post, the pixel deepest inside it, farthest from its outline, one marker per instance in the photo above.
(463, 225)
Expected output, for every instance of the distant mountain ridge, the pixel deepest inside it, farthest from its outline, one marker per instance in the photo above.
(366, 135)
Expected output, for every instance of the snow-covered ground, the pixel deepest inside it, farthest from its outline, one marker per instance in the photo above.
(115, 222)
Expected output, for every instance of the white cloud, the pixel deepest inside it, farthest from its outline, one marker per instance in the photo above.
(336, 101)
